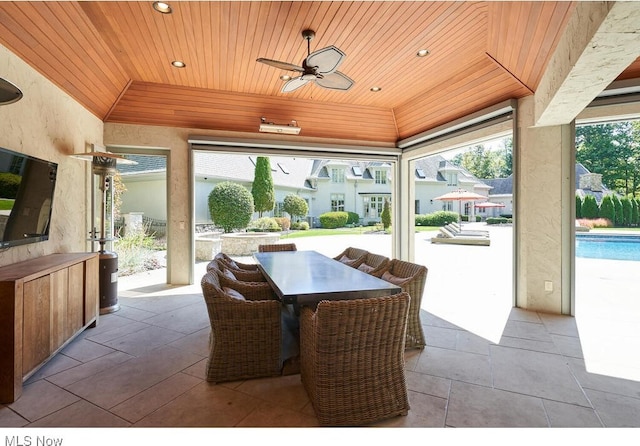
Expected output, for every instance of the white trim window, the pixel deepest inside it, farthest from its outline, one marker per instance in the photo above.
(337, 175)
(381, 176)
(337, 202)
(373, 205)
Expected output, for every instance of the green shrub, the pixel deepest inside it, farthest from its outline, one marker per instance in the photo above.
(619, 221)
(300, 226)
(353, 218)
(136, 253)
(579, 206)
(590, 207)
(385, 217)
(266, 224)
(9, 185)
(332, 220)
(498, 220)
(607, 209)
(627, 208)
(438, 218)
(478, 218)
(230, 206)
(295, 205)
(635, 212)
(284, 223)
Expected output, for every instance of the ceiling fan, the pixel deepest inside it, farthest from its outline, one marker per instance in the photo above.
(319, 67)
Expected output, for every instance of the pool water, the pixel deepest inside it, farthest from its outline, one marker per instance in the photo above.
(612, 247)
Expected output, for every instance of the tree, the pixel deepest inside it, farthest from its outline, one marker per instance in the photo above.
(230, 206)
(578, 206)
(386, 215)
(607, 209)
(619, 215)
(635, 212)
(590, 207)
(264, 197)
(485, 163)
(626, 211)
(295, 206)
(612, 150)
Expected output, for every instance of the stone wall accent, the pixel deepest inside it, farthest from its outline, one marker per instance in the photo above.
(246, 243)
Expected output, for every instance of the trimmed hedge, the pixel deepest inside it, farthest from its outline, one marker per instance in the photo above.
(438, 218)
(353, 218)
(498, 220)
(266, 224)
(333, 220)
(300, 225)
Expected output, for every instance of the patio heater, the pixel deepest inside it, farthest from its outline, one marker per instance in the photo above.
(103, 166)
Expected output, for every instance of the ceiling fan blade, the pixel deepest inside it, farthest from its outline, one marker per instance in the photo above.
(294, 84)
(326, 59)
(282, 65)
(335, 81)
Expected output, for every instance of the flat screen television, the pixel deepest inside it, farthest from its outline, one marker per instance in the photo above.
(26, 198)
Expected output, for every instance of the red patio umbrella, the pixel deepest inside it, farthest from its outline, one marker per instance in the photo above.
(489, 204)
(460, 195)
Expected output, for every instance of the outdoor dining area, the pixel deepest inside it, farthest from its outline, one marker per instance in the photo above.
(342, 323)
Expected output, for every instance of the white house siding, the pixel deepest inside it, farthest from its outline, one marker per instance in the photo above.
(148, 196)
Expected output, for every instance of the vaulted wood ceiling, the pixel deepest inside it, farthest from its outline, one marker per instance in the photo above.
(115, 59)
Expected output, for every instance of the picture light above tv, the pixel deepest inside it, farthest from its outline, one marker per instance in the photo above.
(27, 186)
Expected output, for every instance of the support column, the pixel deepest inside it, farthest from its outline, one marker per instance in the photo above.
(544, 212)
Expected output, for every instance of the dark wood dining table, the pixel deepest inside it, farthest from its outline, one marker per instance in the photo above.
(307, 277)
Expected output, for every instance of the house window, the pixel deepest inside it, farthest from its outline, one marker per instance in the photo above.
(381, 177)
(373, 206)
(452, 179)
(337, 202)
(337, 175)
(417, 207)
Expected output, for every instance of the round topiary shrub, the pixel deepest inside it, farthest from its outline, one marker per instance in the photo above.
(9, 185)
(230, 206)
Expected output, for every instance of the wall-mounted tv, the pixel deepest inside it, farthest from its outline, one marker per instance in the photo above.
(26, 198)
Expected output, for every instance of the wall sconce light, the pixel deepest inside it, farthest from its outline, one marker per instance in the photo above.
(270, 127)
(9, 93)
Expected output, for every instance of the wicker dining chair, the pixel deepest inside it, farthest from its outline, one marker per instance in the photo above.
(240, 272)
(245, 336)
(277, 247)
(373, 264)
(253, 290)
(352, 256)
(352, 359)
(411, 277)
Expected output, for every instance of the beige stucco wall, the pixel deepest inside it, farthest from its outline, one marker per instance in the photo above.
(49, 124)
(179, 214)
(544, 212)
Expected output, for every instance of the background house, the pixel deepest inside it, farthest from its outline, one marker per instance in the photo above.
(326, 185)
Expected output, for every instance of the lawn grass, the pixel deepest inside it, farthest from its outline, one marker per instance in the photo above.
(6, 204)
(320, 232)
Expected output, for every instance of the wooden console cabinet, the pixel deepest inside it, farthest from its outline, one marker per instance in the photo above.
(44, 303)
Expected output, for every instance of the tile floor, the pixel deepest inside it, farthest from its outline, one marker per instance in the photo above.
(144, 366)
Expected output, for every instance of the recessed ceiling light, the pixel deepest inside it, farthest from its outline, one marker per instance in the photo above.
(375, 89)
(285, 77)
(422, 53)
(162, 7)
(178, 64)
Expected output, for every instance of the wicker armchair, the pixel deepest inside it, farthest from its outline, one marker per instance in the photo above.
(251, 290)
(351, 256)
(235, 264)
(245, 333)
(277, 247)
(352, 359)
(411, 277)
(244, 274)
(374, 264)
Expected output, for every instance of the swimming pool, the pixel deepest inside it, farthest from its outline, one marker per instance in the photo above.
(608, 246)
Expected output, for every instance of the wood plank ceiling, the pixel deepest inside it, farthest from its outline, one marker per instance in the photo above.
(115, 59)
